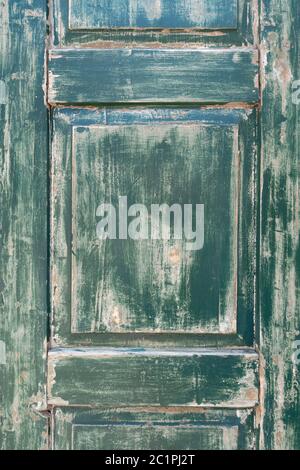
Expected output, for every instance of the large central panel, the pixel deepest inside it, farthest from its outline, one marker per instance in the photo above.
(139, 280)
(147, 222)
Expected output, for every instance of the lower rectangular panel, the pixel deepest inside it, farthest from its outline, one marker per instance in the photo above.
(75, 429)
(151, 377)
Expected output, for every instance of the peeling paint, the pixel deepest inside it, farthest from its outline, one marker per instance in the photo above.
(2, 353)
(3, 96)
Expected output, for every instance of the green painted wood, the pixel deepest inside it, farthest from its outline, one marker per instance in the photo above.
(152, 377)
(153, 75)
(243, 22)
(103, 14)
(155, 285)
(279, 266)
(147, 437)
(137, 429)
(91, 161)
(23, 225)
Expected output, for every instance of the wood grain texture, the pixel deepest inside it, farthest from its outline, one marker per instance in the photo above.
(152, 377)
(243, 21)
(153, 75)
(23, 224)
(100, 154)
(136, 429)
(279, 266)
(172, 14)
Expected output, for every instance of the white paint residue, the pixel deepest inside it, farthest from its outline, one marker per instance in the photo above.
(2, 353)
(152, 9)
(2, 92)
(195, 10)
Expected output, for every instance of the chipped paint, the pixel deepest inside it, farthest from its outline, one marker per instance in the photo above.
(2, 353)
(3, 95)
(152, 8)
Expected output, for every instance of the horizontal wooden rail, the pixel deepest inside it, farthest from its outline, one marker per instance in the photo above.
(205, 75)
(151, 377)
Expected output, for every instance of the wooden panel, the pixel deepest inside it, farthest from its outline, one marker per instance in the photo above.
(241, 16)
(147, 436)
(123, 377)
(147, 430)
(102, 286)
(157, 75)
(23, 225)
(206, 14)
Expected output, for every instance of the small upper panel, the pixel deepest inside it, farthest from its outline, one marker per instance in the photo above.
(218, 22)
(204, 14)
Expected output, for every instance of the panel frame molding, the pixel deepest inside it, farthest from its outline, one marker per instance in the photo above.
(61, 224)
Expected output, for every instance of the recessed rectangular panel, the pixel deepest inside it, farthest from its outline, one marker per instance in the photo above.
(135, 286)
(171, 14)
(159, 437)
(204, 75)
(119, 429)
(161, 281)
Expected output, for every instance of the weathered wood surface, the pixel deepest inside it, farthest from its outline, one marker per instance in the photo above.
(153, 286)
(205, 14)
(23, 238)
(241, 23)
(136, 377)
(153, 429)
(279, 265)
(90, 76)
(23, 224)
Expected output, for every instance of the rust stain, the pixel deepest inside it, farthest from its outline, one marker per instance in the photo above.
(175, 256)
